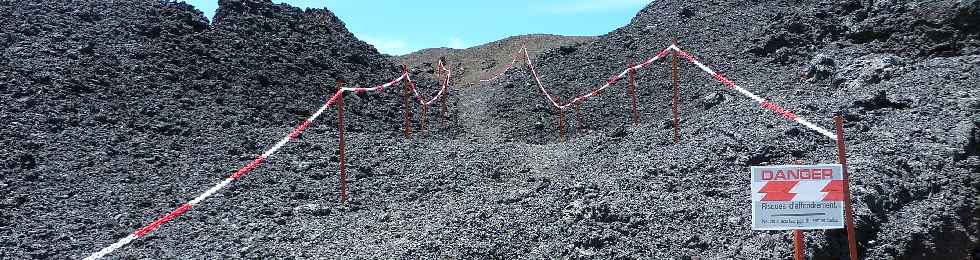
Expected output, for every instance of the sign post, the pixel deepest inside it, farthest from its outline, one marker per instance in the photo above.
(848, 210)
(798, 244)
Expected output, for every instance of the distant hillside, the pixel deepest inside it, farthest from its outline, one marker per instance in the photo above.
(475, 63)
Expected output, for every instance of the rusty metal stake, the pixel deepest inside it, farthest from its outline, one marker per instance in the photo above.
(578, 119)
(636, 115)
(798, 253)
(561, 122)
(423, 118)
(677, 97)
(445, 108)
(848, 210)
(343, 153)
(408, 105)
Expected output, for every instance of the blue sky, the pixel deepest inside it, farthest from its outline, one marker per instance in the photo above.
(400, 26)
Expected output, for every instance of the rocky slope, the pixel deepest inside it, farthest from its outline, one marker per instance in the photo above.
(483, 61)
(118, 111)
(114, 111)
(903, 73)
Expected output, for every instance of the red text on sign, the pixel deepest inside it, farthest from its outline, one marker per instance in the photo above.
(799, 174)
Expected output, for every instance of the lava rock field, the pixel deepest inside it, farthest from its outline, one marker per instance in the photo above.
(117, 112)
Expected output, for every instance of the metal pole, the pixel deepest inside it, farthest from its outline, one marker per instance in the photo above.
(408, 106)
(677, 97)
(423, 118)
(561, 122)
(445, 108)
(798, 253)
(636, 115)
(578, 119)
(343, 156)
(848, 210)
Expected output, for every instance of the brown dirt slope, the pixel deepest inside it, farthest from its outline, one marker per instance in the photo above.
(479, 62)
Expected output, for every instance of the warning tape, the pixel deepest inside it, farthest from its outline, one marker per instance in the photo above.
(378, 87)
(593, 93)
(504, 71)
(141, 232)
(663, 53)
(442, 90)
(763, 102)
(293, 134)
(406, 76)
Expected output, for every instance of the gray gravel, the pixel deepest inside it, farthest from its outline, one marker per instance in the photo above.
(117, 111)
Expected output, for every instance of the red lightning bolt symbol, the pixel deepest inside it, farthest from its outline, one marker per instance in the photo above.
(834, 190)
(778, 190)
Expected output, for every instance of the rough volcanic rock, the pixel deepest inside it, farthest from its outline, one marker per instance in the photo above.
(116, 112)
(902, 72)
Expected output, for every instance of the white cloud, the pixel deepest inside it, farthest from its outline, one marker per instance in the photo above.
(582, 6)
(388, 46)
(456, 43)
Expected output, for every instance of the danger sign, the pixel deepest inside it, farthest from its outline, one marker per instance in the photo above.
(797, 197)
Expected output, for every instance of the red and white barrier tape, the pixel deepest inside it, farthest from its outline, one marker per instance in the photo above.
(406, 76)
(663, 53)
(763, 102)
(581, 98)
(615, 79)
(504, 71)
(534, 72)
(235, 176)
(293, 134)
(378, 87)
(442, 90)
(594, 92)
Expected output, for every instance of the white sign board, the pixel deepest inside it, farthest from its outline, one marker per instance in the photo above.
(797, 197)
